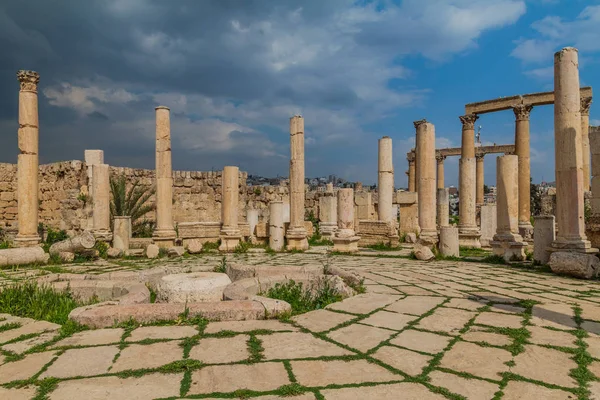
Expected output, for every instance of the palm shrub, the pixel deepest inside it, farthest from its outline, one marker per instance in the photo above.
(132, 203)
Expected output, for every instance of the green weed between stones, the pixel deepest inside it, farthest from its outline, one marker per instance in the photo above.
(304, 300)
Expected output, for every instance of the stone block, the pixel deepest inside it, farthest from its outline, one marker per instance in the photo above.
(578, 265)
(488, 224)
(543, 236)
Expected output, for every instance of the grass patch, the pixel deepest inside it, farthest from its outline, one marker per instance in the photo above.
(210, 246)
(494, 259)
(384, 247)
(318, 240)
(472, 252)
(304, 299)
(222, 267)
(255, 348)
(39, 302)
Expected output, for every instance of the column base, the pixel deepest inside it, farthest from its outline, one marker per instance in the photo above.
(469, 237)
(327, 229)
(428, 238)
(573, 245)
(592, 231)
(526, 231)
(103, 235)
(296, 239)
(164, 238)
(27, 240)
(229, 242)
(510, 246)
(346, 244)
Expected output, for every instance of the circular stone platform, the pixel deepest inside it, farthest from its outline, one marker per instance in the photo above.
(192, 288)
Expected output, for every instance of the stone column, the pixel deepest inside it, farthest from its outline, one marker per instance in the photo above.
(412, 178)
(92, 157)
(358, 186)
(385, 182)
(568, 160)
(296, 234)
(329, 188)
(426, 180)
(488, 223)
(164, 233)
(101, 202)
(448, 244)
(443, 207)
(507, 242)
(252, 219)
(586, 102)
(440, 171)
(467, 226)
(121, 232)
(230, 232)
(28, 161)
(276, 229)
(522, 151)
(327, 215)
(479, 181)
(345, 239)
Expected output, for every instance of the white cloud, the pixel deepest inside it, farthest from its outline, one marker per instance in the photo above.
(534, 50)
(545, 73)
(85, 99)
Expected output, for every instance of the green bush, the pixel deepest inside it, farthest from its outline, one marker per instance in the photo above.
(304, 300)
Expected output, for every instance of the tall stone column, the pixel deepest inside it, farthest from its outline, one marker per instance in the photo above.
(522, 151)
(276, 229)
(426, 186)
(164, 233)
(507, 242)
(468, 231)
(101, 202)
(592, 227)
(567, 146)
(443, 207)
(345, 239)
(479, 181)
(385, 182)
(440, 171)
(412, 177)
(28, 161)
(296, 234)
(230, 231)
(586, 102)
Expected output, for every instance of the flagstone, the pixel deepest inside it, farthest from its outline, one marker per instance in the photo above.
(390, 320)
(360, 337)
(558, 316)
(449, 320)
(25, 368)
(321, 320)
(82, 362)
(149, 386)
(415, 305)
(409, 391)
(323, 373)
(541, 335)
(517, 390)
(472, 389)
(24, 345)
(495, 339)
(364, 303)
(162, 332)
(290, 345)
(221, 350)
(556, 366)
(138, 356)
(485, 362)
(421, 341)
(229, 378)
(499, 320)
(593, 346)
(407, 361)
(93, 338)
(248, 326)
(465, 304)
(28, 329)
(25, 393)
(591, 326)
(594, 368)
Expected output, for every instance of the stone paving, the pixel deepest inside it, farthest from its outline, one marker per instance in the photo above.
(436, 330)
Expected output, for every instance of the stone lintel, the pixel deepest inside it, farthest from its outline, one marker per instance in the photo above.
(506, 103)
(479, 151)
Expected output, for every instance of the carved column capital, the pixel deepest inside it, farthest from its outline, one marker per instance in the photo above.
(479, 156)
(419, 122)
(468, 120)
(440, 158)
(28, 80)
(411, 157)
(522, 111)
(586, 103)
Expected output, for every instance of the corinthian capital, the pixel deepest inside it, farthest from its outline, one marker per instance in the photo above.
(28, 80)
(419, 122)
(522, 111)
(586, 103)
(440, 158)
(468, 120)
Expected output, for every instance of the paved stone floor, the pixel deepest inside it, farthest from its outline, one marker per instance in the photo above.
(422, 331)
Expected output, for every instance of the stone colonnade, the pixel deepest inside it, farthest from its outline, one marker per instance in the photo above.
(385, 181)
(28, 160)
(468, 231)
(345, 239)
(426, 180)
(568, 156)
(230, 231)
(296, 234)
(164, 233)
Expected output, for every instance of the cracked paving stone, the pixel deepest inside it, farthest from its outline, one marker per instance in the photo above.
(485, 362)
(360, 337)
(229, 378)
(364, 303)
(292, 345)
(556, 366)
(161, 332)
(449, 320)
(421, 341)
(472, 389)
(82, 362)
(415, 305)
(499, 320)
(138, 356)
(409, 391)
(516, 390)
(33, 327)
(323, 373)
(390, 320)
(221, 350)
(93, 338)
(25, 368)
(406, 361)
(321, 320)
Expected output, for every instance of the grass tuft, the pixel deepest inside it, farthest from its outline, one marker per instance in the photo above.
(304, 300)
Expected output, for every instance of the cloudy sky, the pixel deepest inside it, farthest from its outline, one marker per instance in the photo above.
(234, 71)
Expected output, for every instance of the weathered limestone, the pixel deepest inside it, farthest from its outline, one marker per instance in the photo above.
(543, 236)
(443, 207)
(592, 227)
(467, 227)
(522, 151)
(569, 163)
(585, 266)
(329, 188)
(164, 234)
(345, 239)
(409, 212)
(252, 219)
(328, 215)
(364, 206)
(412, 176)
(586, 103)
(76, 244)
(230, 232)
(276, 230)
(507, 242)
(101, 202)
(28, 160)
(92, 157)
(448, 244)
(121, 232)
(488, 223)
(426, 167)
(23, 256)
(296, 234)
(479, 180)
(440, 170)
(385, 182)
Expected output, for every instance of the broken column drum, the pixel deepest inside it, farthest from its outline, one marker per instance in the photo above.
(345, 239)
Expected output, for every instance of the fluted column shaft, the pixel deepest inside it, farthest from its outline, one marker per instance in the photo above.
(586, 102)
(479, 195)
(385, 182)
(164, 234)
